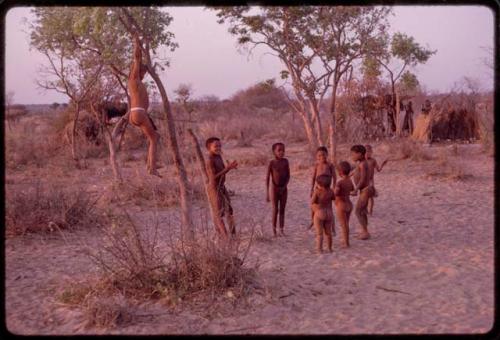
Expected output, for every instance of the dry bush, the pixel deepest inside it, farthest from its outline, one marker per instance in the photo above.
(232, 127)
(44, 208)
(486, 126)
(135, 264)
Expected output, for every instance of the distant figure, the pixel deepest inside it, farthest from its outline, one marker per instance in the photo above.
(216, 171)
(408, 122)
(372, 166)
(426, 107)
(343, 204)
(321, 203)
(322, 167)
(139, 106)
(362, 184)
(279, 173)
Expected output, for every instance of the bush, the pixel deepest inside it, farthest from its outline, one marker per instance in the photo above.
(42, 209)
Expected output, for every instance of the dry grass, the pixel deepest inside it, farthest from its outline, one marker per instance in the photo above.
(43, 208)
(149, 191)
(447, 169)
(408, 149)
(257, 158)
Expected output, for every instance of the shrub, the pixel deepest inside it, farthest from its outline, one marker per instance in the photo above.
(42, 209)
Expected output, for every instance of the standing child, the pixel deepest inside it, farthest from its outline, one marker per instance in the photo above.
(322, 167)
(372, 164)
(279, 171)
(321, 203)
(362, 183)
(343, 204)
(216, 171)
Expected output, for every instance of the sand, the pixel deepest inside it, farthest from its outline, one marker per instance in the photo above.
(427, 269)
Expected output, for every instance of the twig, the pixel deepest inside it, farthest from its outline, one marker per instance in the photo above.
(392, 290)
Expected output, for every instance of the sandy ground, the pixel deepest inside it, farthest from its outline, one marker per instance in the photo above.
(427, 269)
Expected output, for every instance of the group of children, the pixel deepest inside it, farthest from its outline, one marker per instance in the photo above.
(325, 190)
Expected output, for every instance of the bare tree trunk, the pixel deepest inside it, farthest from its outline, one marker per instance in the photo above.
(398, 119)
(73, 134)
(332, 131)
(182, 180)
(317, 123)
(209, 191)
(110, 139)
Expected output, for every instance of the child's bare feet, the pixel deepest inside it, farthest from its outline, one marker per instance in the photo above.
(345, 245)
(364, 235)
(330, 250)
(282, 233)
(274, 232)
(319, 251)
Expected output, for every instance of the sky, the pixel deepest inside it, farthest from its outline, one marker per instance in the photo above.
(211, 62)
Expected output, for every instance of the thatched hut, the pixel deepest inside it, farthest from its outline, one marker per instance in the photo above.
(447, 120)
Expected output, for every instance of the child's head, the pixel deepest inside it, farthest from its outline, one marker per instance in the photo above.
(358, 152)
(369, 150)
(213, 145)
(344, 168)
(321, 154)
(324, 181)
(278, 149)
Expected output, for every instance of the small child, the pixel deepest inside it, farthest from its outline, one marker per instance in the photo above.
(216, 171)
(321, 204)
(372, 164)
(343, 204)
(362, 183)
(279, 171)
(322, 167)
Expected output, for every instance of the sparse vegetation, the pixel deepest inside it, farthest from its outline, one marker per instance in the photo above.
(43, 209)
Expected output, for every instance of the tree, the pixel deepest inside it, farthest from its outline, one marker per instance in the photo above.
(317, 45)
(281, 29)
(183, 98)
(151, 26)
(341, 35)
(402, 53)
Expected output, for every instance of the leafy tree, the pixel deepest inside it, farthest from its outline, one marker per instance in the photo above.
(401, 53)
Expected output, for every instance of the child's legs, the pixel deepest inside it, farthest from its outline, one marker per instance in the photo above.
(275, 202)
(361, 211)
(343, 217)
(327, 230)
(318, 226)
(282, 200)
(371, 202)
(228, 210)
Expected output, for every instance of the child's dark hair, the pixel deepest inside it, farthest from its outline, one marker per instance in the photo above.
(344, 168)
(324, 181)
(210, 141)
(275, 145)
(322, 148)
(359, 149)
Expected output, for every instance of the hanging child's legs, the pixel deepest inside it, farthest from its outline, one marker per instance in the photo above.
(143, 121)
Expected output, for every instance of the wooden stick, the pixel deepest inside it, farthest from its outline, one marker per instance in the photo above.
(209, 191)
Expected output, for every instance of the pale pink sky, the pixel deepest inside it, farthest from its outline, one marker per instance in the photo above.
(209, 60)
